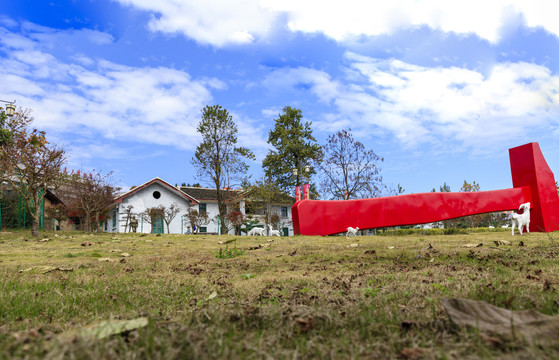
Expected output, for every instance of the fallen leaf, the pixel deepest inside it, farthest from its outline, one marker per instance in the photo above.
(370, 252)
(502, 242)
(521, 243)
(391, 247)
(86, 243)
(293, 253)
(43, 269)
(125, 254)
(352, 245)
(472, 245)
(432, 260)
(212, 295)
(103, 329)
(528, 325)
(106, 259)
(429, 247)
(44, 240)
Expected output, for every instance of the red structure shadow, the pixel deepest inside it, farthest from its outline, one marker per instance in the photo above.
(532, 180)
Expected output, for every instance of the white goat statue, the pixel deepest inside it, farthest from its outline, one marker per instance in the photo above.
(273, 232)
(521, 220)
(352, 231)
(256, 231)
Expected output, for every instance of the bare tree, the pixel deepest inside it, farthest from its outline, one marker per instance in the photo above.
(196, 219)
(236, 218)
(348, 169)
(30, 164)
(57, 212)
(262, 196)
(169, 213)
(128, 211)
(217, 157)
(153, 214)
(89, 195)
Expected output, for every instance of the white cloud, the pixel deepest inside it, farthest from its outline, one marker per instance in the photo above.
(223, 22)
(217, 22)
(417, 104)
(98, 99)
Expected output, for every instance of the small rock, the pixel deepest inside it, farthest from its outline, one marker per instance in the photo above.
(352, 245)
(125, 254)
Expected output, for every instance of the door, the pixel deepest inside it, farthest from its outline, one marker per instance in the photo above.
(157, 226)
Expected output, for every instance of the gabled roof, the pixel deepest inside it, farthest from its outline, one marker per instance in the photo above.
(153, 181)
(206, 194)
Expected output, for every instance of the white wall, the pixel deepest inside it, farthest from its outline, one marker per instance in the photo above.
(144, 199)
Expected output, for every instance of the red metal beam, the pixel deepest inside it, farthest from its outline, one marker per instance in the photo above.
(533, 182)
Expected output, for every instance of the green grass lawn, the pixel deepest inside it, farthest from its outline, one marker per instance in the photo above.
(294, 297)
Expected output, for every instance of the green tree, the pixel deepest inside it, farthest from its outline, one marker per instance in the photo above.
(217, 158)
(293, 147)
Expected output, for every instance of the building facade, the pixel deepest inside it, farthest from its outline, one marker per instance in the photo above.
(157, 193)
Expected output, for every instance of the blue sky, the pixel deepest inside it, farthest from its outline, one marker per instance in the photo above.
(440, 89)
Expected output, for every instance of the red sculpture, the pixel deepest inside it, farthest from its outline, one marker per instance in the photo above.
(532, 180)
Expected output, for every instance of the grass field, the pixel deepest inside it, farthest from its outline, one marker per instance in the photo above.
(366, 297)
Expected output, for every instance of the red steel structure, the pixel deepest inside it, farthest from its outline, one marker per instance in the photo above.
(532, 181)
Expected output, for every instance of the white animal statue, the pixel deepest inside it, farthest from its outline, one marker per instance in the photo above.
(256, 231)
(273, 232)
(352, 231)
(523, 219)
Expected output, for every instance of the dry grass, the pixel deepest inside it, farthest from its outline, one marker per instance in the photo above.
(300, 297)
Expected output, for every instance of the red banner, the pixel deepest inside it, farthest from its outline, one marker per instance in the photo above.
(306, 191)
(297, 193)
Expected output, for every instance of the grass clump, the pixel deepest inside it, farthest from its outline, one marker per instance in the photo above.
(229, 253)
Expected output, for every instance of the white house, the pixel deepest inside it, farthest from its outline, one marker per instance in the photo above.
(158, 192)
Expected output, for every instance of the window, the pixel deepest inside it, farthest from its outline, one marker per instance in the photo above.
(203, 229)
(156, 194)
(114, 217)
(202, 209)
(285, 231)
(284, 211)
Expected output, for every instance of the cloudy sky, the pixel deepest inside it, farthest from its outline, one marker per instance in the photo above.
(441, 89)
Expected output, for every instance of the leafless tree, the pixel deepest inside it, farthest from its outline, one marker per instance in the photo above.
(348, 169)
(89, 195)
(169, 213)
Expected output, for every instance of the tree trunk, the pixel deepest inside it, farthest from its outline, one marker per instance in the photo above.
(35, 224)
(222, 218)
(87, 222)
(97, 221)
